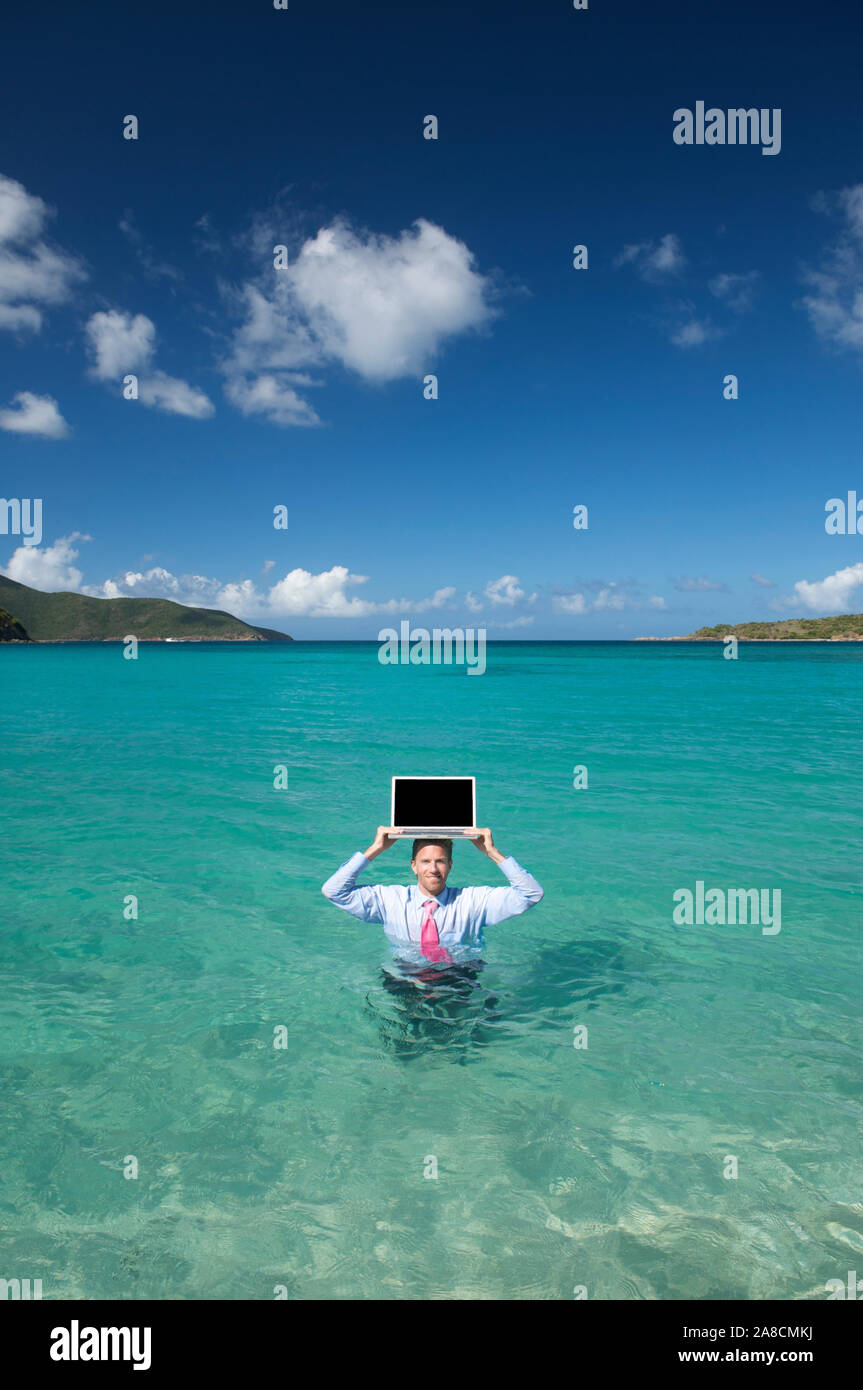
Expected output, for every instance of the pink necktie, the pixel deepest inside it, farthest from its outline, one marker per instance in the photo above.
(429, 939)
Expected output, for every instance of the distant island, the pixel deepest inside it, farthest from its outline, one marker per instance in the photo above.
(29, 615)
(10, 629)
(847, 627)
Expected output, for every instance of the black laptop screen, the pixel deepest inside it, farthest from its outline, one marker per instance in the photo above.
(444, 801)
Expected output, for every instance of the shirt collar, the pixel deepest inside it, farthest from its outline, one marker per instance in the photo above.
(421, 897)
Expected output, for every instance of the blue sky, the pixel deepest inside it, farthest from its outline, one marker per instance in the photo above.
(304, 387)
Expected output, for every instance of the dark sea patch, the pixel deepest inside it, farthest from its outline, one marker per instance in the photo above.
(435, 1010)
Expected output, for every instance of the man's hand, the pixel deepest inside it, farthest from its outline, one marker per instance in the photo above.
(383, 839)
(485, 843)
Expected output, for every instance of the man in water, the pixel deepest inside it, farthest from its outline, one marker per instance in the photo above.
(425, 919)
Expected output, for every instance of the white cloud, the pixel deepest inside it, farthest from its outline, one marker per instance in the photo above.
(607, 596)
(32, 414)
(302, 594)
(383, 305)
(835, 306)
(155, 579)
(174, 396)
(764, 583)
(48, 568)
(195, 590)
(851, 202)
(20, 316)
(271, 396)
(833, 594)
(120, 344)
(693, 333)
(324, 595)
(297, 594)
(31, 271)
(654, 260)
(569, 603)
(506, 590)
(472, 603)
(242, 599)
(22, 215)
(377, 305)
(441, 598)
(736, 291)
(701, 585)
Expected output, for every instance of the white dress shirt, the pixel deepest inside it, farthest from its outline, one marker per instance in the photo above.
(460, 915)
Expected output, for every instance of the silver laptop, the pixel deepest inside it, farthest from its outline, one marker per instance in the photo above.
(434, 806)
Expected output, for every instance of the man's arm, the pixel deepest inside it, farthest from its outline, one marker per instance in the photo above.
(341, 888)
(523, 891)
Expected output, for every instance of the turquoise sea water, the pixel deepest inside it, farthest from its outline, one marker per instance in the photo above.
(305, 1167)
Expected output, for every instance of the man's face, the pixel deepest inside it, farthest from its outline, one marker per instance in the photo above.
(431, 867)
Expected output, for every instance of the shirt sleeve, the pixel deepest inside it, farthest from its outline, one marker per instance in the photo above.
(523, 892)
(341, 889)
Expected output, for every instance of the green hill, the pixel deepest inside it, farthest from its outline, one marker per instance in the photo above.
(846, 627)
(68, 617)
(10, 629)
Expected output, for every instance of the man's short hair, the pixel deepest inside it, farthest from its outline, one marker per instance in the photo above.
(421, 844)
